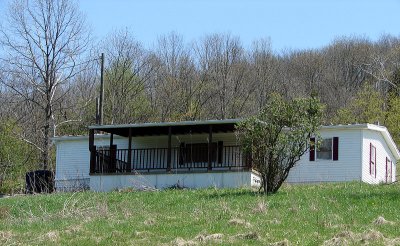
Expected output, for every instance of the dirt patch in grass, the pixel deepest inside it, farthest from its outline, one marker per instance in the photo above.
(248, 236)
(73, 229)
(239, 222)
(182, 242)
(350, 238)
(382, 221)
(142, 234)
(149, 222)
(274, 221)
(52, 236)
(336, 241)
(392, 242)
(371, 235)
(284, 242)
(4, 212)
(209, 237)
(5, 236)
(199, 239)
(261, 207)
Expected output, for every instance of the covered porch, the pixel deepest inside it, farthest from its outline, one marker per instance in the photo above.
(209, 154)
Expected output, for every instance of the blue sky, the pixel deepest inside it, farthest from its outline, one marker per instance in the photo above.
(289, 23)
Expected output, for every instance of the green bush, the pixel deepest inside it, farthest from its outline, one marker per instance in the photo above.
(16, 158)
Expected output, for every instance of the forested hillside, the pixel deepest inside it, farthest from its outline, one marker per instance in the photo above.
(49, 83)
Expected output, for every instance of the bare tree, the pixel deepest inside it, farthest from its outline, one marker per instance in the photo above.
(43, 40)
(263, 67)
(223, 65)
(174, 86)
(128, 68)
(383, 64)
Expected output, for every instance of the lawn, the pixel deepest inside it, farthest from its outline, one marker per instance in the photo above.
(330, 214)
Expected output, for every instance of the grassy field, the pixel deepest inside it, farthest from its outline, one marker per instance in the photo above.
(330, 214)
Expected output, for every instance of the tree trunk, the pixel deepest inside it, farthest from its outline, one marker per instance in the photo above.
(46, 137)
(264, 184)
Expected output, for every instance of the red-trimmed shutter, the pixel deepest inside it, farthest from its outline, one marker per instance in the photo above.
(391, 171)
(386, 170)
(370, 158)
(375, 160)
(312, 149)
(335, 148)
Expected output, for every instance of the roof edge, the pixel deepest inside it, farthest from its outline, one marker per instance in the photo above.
(178, 123)
(81, 137)
(388, 138)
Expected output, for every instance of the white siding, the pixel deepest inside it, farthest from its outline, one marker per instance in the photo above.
(160, 181)
(73, 162)
(347, 168)
(382, 151)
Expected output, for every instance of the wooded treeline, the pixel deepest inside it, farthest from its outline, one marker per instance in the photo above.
(50, 69)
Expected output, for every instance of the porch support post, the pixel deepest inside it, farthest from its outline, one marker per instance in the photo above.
(111, 140)
(129, 165)
(92, 150)
(210, 148)
(169, 149)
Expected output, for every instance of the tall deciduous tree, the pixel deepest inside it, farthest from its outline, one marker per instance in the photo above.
(366, 107)
(278, 136)
(223, 66)
(43, 40)
(127, 72)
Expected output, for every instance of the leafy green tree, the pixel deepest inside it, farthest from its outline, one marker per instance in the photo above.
(366, 107)
(393, 117)
(278, 136)
(16, 158)
(125, 98)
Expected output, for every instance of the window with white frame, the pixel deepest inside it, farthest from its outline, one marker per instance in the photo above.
(324, 151)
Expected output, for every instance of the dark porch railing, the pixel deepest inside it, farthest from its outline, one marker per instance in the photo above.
(156, 159)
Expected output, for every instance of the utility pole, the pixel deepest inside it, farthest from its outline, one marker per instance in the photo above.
(101, 90)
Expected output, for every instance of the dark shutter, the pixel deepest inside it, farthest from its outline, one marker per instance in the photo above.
(113, 157)
(335, 148)
(370, 158)
(220, 150)
(182, 153)
(375, 161)
(312, 149)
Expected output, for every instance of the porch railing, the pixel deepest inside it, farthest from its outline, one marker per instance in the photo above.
(156, 159)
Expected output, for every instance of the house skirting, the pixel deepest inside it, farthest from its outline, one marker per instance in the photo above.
(77, 184)
(232, 179)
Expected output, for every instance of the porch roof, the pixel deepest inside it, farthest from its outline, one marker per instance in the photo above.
(162, 128)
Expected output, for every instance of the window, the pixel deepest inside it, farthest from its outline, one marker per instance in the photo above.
(198, 153)
(324, 152)
(372, 160)
(327, 150)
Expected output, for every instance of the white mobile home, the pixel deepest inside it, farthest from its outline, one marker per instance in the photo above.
(363, 152)
(206, 153)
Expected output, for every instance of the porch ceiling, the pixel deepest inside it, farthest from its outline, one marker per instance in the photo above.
(177, 128)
